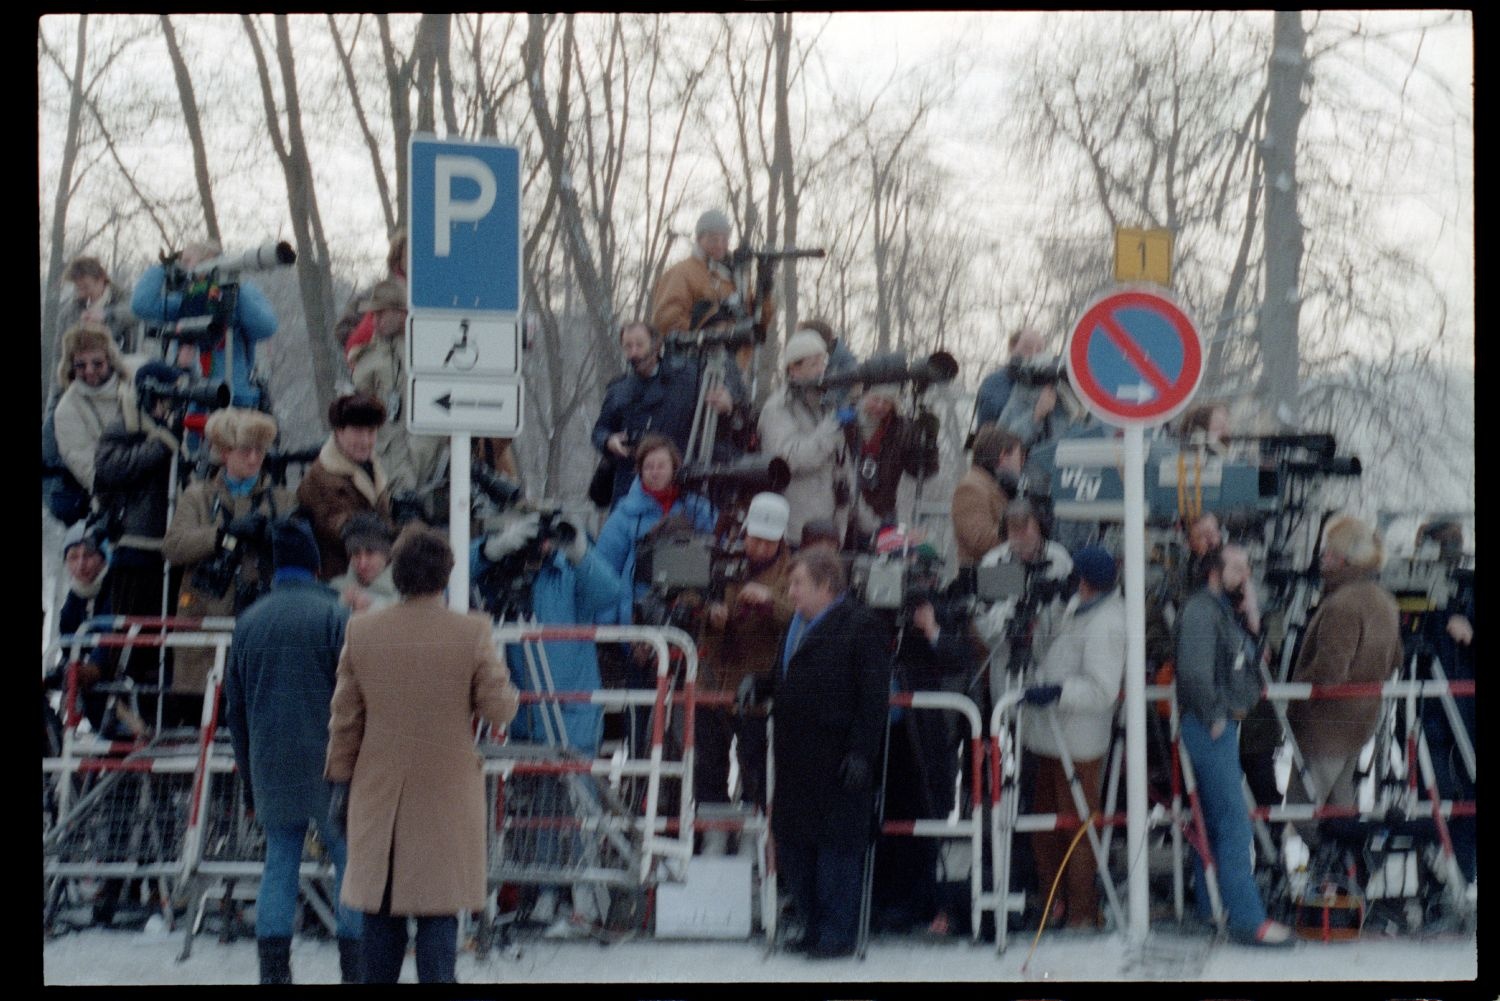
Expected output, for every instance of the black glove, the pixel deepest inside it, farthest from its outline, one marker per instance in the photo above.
(1042, 695)
(247, 526)
(854, 772)
(338, 809)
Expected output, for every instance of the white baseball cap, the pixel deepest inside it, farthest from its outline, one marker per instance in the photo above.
(767, 517)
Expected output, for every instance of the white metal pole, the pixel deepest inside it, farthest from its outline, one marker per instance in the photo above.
(1135, 683)
(458, 521)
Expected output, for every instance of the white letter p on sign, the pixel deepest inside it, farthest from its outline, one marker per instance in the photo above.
(446, 211)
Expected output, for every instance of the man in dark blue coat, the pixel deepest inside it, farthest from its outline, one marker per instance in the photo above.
(829, 715)
(659, 396)
(278, 685)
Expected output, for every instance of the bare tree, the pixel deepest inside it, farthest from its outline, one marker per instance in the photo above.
(60, 199)
(314, 275)
(194, 128)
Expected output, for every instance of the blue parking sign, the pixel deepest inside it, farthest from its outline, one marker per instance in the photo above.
(464, 201)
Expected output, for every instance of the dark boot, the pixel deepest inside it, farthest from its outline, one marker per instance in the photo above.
(350, 969)
(275, 960)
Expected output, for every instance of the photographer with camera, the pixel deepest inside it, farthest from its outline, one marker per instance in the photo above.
(218, 537)
(1019, 629)
(797, 426)
(741, 636)
(654, 498)
(1031, 405)
(90, 390)
(173, 290)
(691, 292)
(994, 391)
(979, 500)
(656, 396)
(347, 478)
(1079, 679)
(885, 445)
(132, 481)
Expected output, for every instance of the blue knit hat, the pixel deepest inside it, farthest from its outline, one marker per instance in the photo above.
(294, 545)
(1095, 566)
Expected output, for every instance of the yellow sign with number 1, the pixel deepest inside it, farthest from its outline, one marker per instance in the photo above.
(1143, 255)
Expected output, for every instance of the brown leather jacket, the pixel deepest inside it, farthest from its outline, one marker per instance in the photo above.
(751, 638)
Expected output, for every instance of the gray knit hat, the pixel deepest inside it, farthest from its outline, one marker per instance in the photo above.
(712, 221)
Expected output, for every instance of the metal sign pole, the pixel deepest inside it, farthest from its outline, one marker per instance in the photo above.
(1135, 684)
(458, 520)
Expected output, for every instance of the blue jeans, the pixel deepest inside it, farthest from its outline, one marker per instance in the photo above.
(1216, 765)
(384, 947)
(276, 906)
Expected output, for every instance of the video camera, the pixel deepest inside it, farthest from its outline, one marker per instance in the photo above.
(221, 571)
(503, 587)
(1036, 372)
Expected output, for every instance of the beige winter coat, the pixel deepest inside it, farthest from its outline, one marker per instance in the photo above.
(411, 679)
(813, 445)
(978, 507)
(83, 412)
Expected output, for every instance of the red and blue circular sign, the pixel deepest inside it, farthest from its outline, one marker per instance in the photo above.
(1135, 359)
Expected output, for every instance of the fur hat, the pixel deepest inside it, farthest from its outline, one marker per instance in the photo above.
(389, 294)
(1096, 567)
(712, 221)
(237, 427)
(293, 545)
(86, 337)
(803, 344)
(767, 517)
(357, 410)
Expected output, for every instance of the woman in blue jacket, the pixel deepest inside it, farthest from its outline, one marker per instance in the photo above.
(653, 495)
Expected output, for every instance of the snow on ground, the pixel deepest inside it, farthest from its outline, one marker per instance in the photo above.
(146, 958)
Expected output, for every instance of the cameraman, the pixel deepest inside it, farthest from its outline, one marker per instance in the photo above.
(797, 426)
(218, 538)
(253, 320)
(569, 585)
(739, 649)
(690, 292)
(1031, 407)
(994, 391)
(1018, 630)
(884, 445)
(656, 396)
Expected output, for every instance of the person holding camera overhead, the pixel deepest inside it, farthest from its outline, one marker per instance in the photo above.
(797, 426)
(218, 535)
(254, 320)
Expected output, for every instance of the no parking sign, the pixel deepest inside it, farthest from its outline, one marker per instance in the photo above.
(1135, 359)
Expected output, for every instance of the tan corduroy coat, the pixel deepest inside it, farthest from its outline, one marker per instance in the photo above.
(978, 507)
(411, 679)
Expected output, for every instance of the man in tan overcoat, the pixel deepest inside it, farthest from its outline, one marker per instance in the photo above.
(401, 758)
(1355, 635)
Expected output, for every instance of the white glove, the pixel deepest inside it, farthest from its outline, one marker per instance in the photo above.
(515, 537)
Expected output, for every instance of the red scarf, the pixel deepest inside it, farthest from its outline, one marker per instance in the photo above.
(666, 498)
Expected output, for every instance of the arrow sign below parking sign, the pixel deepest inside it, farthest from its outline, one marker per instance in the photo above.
(1135, 359)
